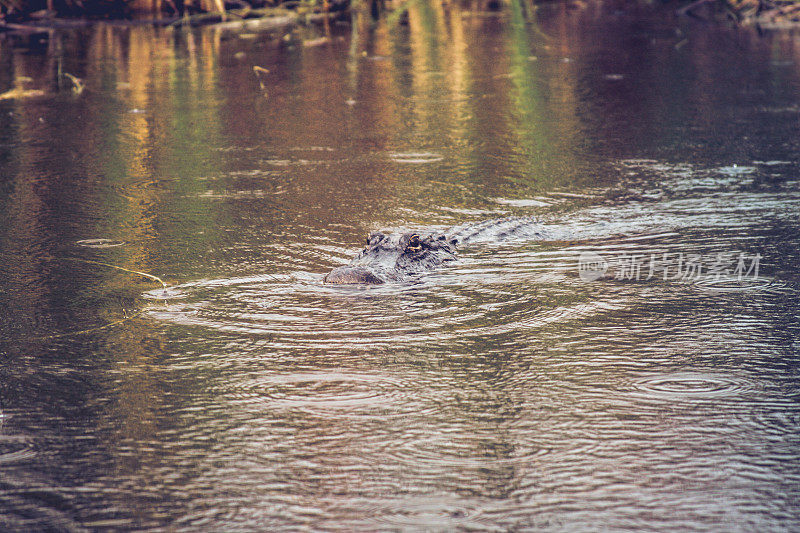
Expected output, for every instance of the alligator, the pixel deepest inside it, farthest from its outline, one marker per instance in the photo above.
(396, 257)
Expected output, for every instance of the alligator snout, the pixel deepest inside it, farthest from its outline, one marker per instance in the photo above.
(352, 275)
(393, 257)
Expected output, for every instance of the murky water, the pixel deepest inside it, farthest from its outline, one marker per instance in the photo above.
(637, 370)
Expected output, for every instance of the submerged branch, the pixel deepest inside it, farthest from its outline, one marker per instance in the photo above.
(90, 330)
(143, 274)
(77, 84)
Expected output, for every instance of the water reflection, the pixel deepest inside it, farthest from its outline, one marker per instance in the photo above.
(499, 392)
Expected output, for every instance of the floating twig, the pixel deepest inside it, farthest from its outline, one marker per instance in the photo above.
(18, 93)
(77, 84)
(259, 71)
(143, 274)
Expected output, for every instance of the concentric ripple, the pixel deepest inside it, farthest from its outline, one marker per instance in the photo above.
(745, 284)
(100, 243)
(462, 451)
(691, 386)
(168, 293)
(435, 513)
(15, 448)
(297, 310)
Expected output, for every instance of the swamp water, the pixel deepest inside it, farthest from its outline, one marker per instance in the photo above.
(637, 371)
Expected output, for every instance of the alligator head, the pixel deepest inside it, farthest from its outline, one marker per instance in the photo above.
(392, 257)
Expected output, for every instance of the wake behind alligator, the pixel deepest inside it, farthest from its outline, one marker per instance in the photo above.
(395, 257)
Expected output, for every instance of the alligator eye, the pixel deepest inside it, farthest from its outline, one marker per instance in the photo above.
(413, 244)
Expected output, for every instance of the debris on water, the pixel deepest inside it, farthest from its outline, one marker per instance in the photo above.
(260, 72)
(312, 149)
(77, 83)
(787, 109)
(525, 202)
(572, 194)
(736, 170)
(316, 42)
(165, 293)
(415, 157)
(19, 93)
(614, 77)
(100, 243)
(772, 163)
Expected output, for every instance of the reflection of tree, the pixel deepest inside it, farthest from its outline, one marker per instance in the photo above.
(119, 162)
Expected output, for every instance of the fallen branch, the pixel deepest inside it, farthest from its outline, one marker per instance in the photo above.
(77, 84)
(143, 274)
(27, 28)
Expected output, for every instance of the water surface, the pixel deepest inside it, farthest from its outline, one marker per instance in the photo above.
(506, 391)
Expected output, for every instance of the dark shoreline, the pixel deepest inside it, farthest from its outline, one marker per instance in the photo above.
(762, 14)
(263, 20)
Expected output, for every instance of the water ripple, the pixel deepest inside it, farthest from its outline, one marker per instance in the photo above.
(415, 158)
(746, 284)
(318, 390)
(100, 243)
(431, 513)
(297, 309)
(691, 386)
(453, 450)
(14, 448)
